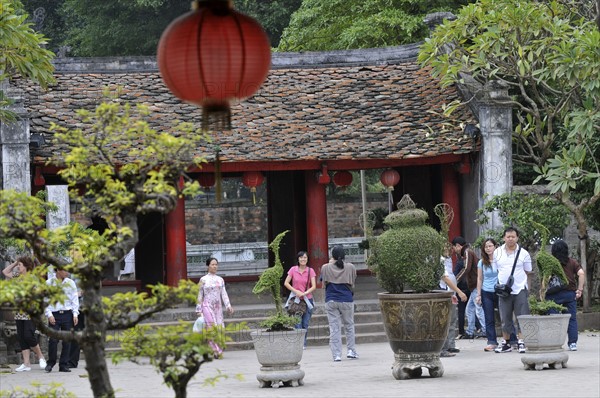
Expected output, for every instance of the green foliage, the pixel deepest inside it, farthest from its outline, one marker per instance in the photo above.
(52, 390)
(175, 351)
(125, 169)
(524, 211)
(273, 15)
(22, 52)
(408, 253)
(542, 307)
(546, 53)
(321, 25)
(270, 281)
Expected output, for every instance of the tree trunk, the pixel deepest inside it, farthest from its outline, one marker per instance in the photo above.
(93, 343)
(583, 240)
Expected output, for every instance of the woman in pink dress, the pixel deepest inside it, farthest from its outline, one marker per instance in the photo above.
(211, 293)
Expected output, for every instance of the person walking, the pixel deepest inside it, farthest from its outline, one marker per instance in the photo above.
(474, 311)
(339, 277)
(449, 282)
(62, 316)
(25, 327)
(569, 295)
(487, 277)
(301, 282)
(211, 292)
(506, 257)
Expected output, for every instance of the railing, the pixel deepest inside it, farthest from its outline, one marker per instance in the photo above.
(252, 258)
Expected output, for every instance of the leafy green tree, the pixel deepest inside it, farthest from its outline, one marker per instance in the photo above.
(125, 169)
(320, 25)
(273, 15)
(21, 52)
(546, 53)
(111, 28)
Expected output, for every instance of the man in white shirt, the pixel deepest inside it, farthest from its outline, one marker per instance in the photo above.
(517, 302)
(62, 316)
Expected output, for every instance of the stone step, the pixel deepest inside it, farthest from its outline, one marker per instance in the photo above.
(367, 318)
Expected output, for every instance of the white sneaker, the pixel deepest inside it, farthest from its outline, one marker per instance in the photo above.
(23, 368)
(573, 347)
(337, 359)
(352, 354)
(43, 363)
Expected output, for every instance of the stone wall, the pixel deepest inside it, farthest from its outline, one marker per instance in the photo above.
(244, 222)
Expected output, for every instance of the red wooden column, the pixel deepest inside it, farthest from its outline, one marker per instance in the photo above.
(176, 257)
(451, 195)
(316, 219)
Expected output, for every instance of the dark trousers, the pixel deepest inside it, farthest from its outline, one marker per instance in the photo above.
(462, 306)
(75, 349)
(567, 298)
(64, 321)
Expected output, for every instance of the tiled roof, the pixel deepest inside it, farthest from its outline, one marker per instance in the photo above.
(381, 110)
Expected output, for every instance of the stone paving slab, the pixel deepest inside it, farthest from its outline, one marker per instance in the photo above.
(471, 373)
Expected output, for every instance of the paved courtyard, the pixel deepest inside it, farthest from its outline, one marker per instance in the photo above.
(471, 373)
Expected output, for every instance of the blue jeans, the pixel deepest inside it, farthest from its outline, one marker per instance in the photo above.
(306, 320)
(473, 309)
(489, 301)
(567, 298)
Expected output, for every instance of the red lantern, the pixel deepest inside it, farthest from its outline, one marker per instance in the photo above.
(206, 180)
(390, 178)
(213, 56)
(252, 179)
(342, 178)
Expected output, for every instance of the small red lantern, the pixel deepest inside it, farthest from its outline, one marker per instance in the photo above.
(342, 179)
(38, 179)
(390, 178)
(252, 179)
(213, 56)
(206, 180)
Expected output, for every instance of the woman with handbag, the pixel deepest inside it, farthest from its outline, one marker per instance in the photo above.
(571, 293)
(25, 327)
(301, 282)
(211, 291)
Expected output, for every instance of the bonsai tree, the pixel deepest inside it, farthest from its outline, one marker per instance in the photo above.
(270, 280)
(175, 351)
(407, 255)
(126, 169)
(547, 265)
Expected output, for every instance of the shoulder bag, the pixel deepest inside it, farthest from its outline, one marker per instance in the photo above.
(299, 308)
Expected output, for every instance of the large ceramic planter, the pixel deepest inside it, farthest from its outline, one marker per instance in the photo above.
(544, 337)
(416, 325)
(279, 353)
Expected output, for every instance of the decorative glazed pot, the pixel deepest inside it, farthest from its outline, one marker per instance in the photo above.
(544, 337)
(416, 325)
(280, 354)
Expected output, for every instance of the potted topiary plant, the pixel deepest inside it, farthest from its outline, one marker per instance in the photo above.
(278, 345)
(544, 333)
(406, 261)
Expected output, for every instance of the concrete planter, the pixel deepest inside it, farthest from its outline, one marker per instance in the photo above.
(279, 353)
(544, 337)
(416, 325)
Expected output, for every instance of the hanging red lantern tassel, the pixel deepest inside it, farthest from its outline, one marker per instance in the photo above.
(342, 179)
(390, 178)
(214, 56)
(252, 179)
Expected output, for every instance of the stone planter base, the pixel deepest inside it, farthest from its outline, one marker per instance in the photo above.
(409, 366)
(544, 336)
(537, 361)
(279, 353)
(416, 325)
(276, 376)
